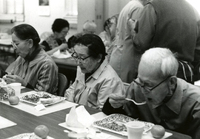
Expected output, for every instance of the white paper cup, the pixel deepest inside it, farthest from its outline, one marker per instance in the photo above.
(135, 129)
(16, 87)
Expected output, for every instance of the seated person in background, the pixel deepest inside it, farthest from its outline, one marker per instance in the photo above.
(34, 68)
(95, 79)
(108, 35)
(89, 27)
(57, 40)
(170, 101)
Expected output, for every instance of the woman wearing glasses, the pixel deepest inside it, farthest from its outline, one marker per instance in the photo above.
(95, 79)
(34, 68)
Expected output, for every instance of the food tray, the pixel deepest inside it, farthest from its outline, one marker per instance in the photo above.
(25, 136)
(36, 98)
(115, 123)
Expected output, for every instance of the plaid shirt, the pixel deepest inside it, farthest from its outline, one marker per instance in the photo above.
(41, 73)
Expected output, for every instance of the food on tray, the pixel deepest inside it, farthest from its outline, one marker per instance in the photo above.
(116, 123)
(6, 92)
(45, 98)
(13, 100)
(36, 97)
(32, 98)
(25, 136)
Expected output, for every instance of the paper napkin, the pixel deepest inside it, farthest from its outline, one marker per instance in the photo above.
(79, 118)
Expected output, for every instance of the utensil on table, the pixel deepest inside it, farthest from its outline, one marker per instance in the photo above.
(136, 103)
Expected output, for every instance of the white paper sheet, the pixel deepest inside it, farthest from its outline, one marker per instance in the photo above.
(4, 123)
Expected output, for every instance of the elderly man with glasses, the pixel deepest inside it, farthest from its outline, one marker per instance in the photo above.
(95, 79)
(170, 101)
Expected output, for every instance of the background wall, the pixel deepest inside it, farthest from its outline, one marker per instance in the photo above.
(98, 10)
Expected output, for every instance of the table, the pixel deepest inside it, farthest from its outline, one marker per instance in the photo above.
(27, 122)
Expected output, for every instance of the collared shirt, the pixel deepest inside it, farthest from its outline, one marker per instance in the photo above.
(94, 91)
(41, 72)
(181, 113)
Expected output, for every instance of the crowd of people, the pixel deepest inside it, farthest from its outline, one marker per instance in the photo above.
(153, 45)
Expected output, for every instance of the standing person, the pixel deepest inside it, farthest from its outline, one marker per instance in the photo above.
(123, 57)
(89, 27)
(33, 68)
(170, 24)
(95, 78)
(170, 101)
(108, 36)
(57, 41)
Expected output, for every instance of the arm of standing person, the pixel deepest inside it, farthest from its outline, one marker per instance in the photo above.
(146, 28)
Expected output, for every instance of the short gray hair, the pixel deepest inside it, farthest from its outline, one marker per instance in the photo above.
(162, 59)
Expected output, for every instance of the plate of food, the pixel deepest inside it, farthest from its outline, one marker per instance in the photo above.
(116, 123)
(27, 136)
(41, 97)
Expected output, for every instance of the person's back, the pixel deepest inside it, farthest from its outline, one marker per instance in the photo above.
(169, 24)
(176, 28)
(123, 57)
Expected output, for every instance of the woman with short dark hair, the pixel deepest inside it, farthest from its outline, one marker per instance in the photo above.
(56, 41)
(95, 79)
(34, 68)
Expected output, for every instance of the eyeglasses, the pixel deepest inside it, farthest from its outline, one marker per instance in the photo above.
(15, 46)
(149, 89)
(80, 59)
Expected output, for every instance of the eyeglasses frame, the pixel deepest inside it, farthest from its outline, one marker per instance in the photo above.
(79, 58)
(152, 88)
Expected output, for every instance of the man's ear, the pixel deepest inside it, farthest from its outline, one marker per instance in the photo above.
(172, 82)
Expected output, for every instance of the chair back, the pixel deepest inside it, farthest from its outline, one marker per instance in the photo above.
(62, 84)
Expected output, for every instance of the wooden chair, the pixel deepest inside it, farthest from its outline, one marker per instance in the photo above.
(62, 84)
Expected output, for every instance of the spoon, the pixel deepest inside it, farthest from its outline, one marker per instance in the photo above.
(136, 103)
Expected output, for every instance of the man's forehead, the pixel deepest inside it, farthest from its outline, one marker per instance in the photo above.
(147, 71)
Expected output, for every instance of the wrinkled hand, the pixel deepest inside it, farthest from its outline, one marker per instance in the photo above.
(116, 101)
(14, 78)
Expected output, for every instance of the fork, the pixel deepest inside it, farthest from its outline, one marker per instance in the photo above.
(136, 103)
